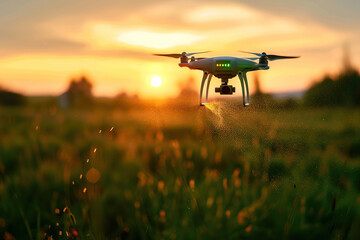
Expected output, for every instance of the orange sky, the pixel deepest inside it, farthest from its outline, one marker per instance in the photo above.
(45, 43)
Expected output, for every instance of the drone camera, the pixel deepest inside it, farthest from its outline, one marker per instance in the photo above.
(225, 89)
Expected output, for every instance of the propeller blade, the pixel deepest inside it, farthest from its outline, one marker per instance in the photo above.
(200, 58)
(277, 57)
(254, 58)
(174, 55)
(177, 55)
(271, 57)
(257, 54)
(189, 54)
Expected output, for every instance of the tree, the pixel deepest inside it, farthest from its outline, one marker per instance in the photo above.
(343, 89)
(321, 93)
(79, 93)
(9, 98)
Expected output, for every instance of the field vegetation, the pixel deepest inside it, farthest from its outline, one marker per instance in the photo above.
(161, 171)
(79, 167)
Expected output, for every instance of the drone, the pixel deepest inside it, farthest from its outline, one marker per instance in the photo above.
(225, 68)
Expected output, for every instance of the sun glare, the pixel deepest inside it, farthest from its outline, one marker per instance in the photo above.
(156, 81)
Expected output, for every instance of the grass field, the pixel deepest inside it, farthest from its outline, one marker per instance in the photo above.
(217, 172)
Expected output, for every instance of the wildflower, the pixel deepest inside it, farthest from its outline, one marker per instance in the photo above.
(236, 172)
(248, 228)
(227, 213)
(204, 153)
(192, 184)
(218, 157)
(160, 185)
(225, 183)
(241, 217)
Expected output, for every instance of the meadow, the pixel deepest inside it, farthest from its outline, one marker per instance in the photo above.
(164, 172)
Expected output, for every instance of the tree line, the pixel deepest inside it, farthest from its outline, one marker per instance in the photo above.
(339, 90)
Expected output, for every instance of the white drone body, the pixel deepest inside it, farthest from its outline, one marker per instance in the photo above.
(225, 68)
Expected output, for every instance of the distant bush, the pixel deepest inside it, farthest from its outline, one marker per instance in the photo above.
(11, 98)
(288, 103)
(259, 99)
(262, 100)
(125, 101)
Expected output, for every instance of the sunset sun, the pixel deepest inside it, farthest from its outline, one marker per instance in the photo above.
(156, 81)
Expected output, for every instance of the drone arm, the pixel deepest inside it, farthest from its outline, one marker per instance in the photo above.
(242, 77)
(207, 87)
(202, 86)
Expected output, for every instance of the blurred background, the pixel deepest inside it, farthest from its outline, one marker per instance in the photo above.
(99, 139)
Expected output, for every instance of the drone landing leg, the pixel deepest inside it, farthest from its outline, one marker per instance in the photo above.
(241, 77)
(202, 86)
(247, 90)
(207, 87)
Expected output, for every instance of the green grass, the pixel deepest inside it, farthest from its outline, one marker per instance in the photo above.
(218, 172)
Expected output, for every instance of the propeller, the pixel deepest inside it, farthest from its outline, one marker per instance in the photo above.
(270, 57)
(252, 58)
(177, 55)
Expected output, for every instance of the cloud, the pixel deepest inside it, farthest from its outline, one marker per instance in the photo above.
(73, 26)
(157, 40)
(107, 38)
(334, 14)
(40, 46)
(224, 13)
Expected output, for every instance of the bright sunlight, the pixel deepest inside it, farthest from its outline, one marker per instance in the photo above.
(156, 81)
